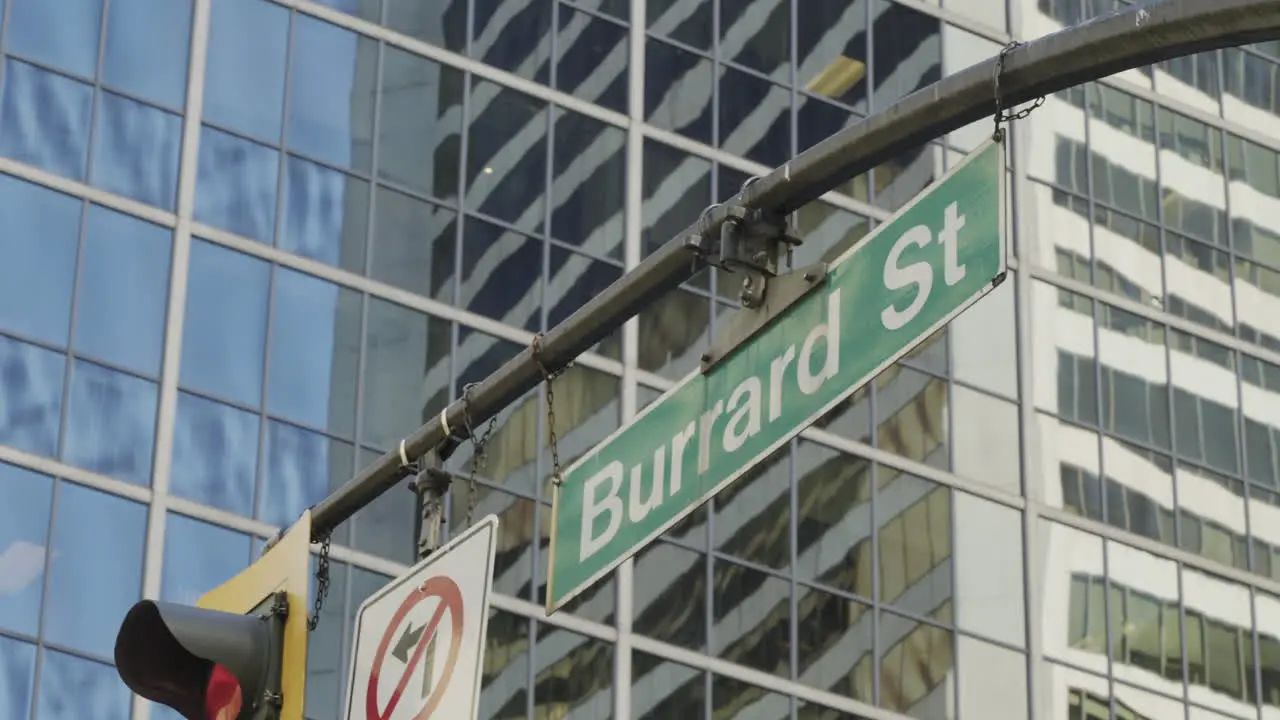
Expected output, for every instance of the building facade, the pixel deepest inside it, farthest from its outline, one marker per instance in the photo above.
(246, 246)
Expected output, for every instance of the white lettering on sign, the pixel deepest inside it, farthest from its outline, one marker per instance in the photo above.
(724, 427)
(920, 273)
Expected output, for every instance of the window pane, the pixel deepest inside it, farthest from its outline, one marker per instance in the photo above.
(236, 185)
(225, 331)
(330, 93)
(326, 213)
(111, 422)
(420, 123)
(199, 557)
(507, 155)
(31, 383)
(315, 349)
(403, 349)
(215, 454)
(72, 688)
(124, 284)
(574, 675)
(18, 667)
(147, 47)
(63, 35)
(95, 572)
(588, 187)
(136, 151)
(37, 260)
(44, 119)
(24, 540)
(300, 468)
(244, 85)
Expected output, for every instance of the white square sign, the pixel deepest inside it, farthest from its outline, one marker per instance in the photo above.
(420, 640)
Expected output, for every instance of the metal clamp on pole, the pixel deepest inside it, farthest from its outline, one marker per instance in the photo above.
(431, 485)
(752, 244)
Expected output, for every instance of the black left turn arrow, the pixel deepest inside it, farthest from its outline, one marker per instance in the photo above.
(407, 642)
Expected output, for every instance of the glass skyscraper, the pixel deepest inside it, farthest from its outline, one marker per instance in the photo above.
(246, 246)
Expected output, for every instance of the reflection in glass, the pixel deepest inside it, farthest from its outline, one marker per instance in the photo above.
(574, 674)
(31, 384)
(751, 617)
(832, 47)
(572, 281)
(24, 536)
(414, 245)
(315, 346)
(44, 119)
(147, 44)
(835, 643)
(237, 185)
(677, 188)
(755, 118)
(123, 294)
(670, 596)
(331, 82)
(676, 328)
(501, 273)
(325, 213)
(420, 122)
(592, 59)
(677, 93)
(833, 520)
(215, 454)
(513, 563)
(64, 36)
(300, 468)
(732, 698)
(507, 155)
(244, 83)
(225, 331)
(95, 568)
(663, 689)
(199, 557)
(593, 416)
(588, 185)
(403, 349)
(514, 38)
(752, 515)
(72, 688)
(37, 260)
(914, 539)
(111, 422)
(17, 674)
(504, 680)
(136, 151)
(916, 659)
(911, 415)
(1218, 620)
(1146, 632)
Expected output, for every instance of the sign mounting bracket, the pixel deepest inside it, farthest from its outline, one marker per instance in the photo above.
(752, 243)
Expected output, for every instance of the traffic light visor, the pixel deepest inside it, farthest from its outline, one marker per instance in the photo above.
(167, 653)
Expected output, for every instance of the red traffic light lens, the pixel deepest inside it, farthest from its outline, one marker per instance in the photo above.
(222, 696)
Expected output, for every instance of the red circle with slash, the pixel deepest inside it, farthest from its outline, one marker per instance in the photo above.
(450, 601)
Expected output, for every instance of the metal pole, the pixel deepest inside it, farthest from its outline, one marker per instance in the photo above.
(1132, 37)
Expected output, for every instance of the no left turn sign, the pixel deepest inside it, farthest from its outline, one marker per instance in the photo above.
(420, 640)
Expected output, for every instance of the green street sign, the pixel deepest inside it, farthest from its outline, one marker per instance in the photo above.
(883, 297)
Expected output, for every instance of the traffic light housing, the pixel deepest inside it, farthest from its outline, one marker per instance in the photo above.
(239, 654)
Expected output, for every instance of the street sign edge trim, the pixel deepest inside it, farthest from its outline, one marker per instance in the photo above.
(1003, 254)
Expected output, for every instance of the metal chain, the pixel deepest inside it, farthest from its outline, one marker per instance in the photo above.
(1002, 115)
(556, 476)
(322, 583)
(479, 450)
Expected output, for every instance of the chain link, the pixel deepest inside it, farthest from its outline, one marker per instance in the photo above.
(322, 583)
(1003, 115)
(479, 451)
(556, 476)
